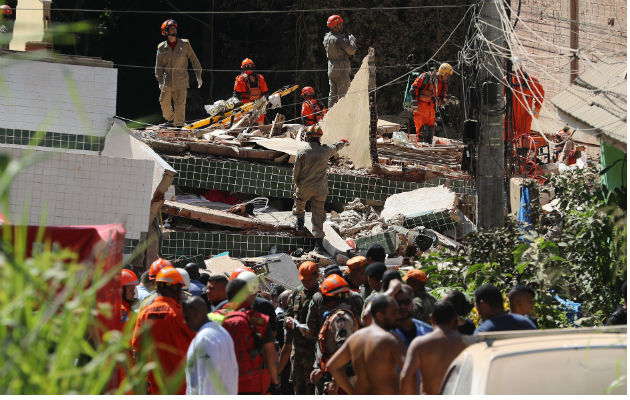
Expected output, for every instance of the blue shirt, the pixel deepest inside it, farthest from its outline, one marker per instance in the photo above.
(422, 328)
(195, 288)
(506, 322)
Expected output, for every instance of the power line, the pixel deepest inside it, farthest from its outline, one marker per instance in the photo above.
(237, 12)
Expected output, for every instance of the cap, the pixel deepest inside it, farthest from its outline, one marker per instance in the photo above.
(416, 274)
(376, 270)
(375, 252)
(332, 269)
(307, 269)
(357, 262)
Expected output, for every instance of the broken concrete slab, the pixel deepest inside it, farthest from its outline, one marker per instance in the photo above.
(384, 127)
(285, 145)
(222, 265)
(217, 217)
(282, 269)
(432, 207)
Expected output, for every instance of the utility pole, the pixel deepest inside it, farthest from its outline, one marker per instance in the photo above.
(490, 163)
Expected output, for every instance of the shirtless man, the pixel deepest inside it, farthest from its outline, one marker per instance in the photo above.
(375, 353)
(433, 352)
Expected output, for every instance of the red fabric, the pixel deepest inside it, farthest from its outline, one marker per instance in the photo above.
(527, 97)
(170, 336)
(423, 83)
(220, 196)
(172, 44)
(242, 325)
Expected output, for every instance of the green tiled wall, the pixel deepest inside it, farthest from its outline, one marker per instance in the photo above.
(129, 245)
(388, 240)
(176, 245)
(274, 181)
(53, 139)
(440, 221)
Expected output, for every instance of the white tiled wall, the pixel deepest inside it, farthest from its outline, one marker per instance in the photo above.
(37, 95)
(84, 189)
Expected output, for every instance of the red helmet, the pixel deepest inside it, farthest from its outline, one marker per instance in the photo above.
(238, 270)
(334, 284)
(129, 278)
(6, 10)
(157, 266)
(167, 24)
(246, 62)
(170, 276)
(314, 131)
(334, 20)
(308, 91)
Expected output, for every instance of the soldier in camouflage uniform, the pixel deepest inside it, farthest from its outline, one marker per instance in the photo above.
(423, 302)
(303, 352)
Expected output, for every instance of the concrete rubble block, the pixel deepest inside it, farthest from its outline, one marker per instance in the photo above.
(282, 269)
(431, 207)
(223, 265)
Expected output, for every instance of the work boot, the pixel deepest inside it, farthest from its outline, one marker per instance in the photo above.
(299, 224)
(319, 245)
(430, 133)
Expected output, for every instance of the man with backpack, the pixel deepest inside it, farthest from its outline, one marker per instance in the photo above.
(339, 323)
(253, 338)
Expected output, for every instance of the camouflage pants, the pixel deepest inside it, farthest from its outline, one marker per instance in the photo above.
(301, 368)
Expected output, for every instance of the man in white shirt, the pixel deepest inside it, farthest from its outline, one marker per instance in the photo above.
(211, 366)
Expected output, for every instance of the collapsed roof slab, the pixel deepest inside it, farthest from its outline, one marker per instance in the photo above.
(432, 207)
(276, 181)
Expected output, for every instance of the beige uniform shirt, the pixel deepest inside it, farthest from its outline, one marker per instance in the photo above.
(171, 65)
(311, 162)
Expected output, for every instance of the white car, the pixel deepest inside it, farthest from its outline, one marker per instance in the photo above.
(543, 362)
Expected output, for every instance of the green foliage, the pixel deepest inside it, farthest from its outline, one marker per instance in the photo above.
(49, 318)
(578, 252)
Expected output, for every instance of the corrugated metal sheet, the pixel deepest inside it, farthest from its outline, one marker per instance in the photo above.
(598, 98)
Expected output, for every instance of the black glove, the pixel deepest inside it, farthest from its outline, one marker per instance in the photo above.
(274, 389)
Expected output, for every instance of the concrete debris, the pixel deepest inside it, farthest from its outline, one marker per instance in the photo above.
(419, 202)
(384, 127)
(217, 217)
(357, 220)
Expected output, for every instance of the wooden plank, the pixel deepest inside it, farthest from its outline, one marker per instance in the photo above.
(161, 146)
(213, 148)
(276, 126)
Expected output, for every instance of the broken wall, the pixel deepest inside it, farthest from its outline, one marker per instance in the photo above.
(82, 189)
(350, 119)
(70, 102)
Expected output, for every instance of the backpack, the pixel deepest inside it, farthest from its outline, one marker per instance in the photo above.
(337, 328)
(247, 327)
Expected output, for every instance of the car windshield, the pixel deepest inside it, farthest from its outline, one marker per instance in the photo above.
(572, 370)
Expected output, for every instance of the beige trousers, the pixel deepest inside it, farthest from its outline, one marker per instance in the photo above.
(178, 99)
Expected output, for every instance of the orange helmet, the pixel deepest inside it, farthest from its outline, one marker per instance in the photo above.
(238, 270)
(6, 10)
(334, 284)
(157, 266)
(308, 91)
(334, 20)
(128, 277)
(314, 131)
(167, 24)
(170, 276)
(246, 62)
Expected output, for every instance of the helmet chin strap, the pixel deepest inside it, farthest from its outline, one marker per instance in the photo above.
(173, 34)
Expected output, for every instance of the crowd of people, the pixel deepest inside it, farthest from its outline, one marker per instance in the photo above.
(357, 328)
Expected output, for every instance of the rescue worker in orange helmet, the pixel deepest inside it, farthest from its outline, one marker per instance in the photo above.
(429, 90)
(312, 110)
(129, 294)
(250, 86)
(338, 49)
(166, 331)
(154, 269)
(310, 181)
(527, 98)
(171, 72)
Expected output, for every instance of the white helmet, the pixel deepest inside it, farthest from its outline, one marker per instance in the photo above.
(186, 278)
(251, 279)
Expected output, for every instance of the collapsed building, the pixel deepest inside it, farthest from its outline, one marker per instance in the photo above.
(233, 189)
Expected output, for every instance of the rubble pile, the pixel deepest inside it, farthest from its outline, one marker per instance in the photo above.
(357, 220)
